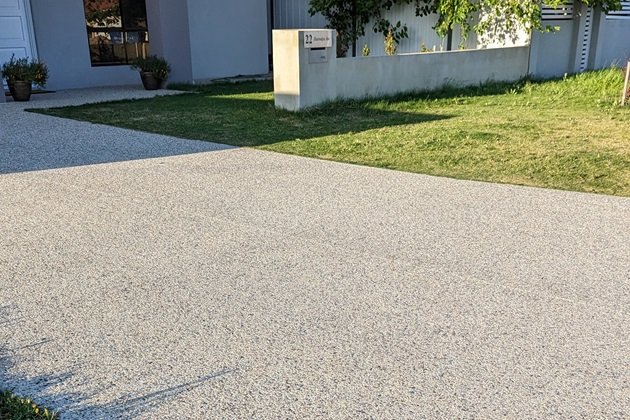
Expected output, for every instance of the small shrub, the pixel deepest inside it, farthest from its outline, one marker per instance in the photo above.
(390, 43)
(153, 64)
(25, 70)
(366, 51)
(625, 94)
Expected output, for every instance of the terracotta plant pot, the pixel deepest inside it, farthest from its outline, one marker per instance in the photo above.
(21, 91)
(150, 81)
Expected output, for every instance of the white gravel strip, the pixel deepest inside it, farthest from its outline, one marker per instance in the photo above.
(72, 97)
(247, 284)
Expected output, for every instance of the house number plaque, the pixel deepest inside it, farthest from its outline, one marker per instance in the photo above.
(318, 39)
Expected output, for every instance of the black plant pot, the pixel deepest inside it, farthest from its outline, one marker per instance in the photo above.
(150, 81)
(21, 91)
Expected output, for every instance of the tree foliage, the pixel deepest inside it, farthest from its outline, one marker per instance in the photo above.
(478, 15)
(350, 17)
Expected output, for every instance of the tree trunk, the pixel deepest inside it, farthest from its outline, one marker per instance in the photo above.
(449, 40)
(354, 28)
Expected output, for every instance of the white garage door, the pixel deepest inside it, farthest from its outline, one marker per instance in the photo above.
(15, 30)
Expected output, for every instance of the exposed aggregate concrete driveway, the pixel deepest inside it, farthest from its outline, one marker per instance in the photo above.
(234, 283)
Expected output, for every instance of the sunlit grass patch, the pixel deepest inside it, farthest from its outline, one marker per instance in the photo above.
(567, 134)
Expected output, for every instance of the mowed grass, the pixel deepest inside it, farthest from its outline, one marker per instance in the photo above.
(566, 134)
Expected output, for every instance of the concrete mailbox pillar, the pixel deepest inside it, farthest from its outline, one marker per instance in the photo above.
(303, 67)
(308, 73)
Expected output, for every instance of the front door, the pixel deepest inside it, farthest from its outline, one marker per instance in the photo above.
(15, 30)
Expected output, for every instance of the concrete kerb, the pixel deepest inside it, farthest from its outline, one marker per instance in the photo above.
(76, 97)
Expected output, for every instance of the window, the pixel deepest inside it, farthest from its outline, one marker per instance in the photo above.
(117, 31)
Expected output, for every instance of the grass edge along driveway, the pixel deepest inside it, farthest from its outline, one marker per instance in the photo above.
(14, 407)
(566, 134)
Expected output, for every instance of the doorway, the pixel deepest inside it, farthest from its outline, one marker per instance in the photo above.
(16, 30)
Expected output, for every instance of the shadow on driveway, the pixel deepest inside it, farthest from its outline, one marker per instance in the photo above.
(33, 142)
(79, 403)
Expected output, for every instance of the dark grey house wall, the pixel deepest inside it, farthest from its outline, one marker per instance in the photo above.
(612, 45)
(553, 54)
(62, 43)
(202, 40)
(209, 39)
(589, 41)
(170, 37)
(228, 38)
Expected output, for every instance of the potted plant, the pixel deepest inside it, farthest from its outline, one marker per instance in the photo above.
(153, 70)
(21, 74)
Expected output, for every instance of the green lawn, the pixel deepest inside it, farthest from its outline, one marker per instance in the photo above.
(566, 134)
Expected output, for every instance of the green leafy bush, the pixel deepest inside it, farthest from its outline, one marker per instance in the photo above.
(25, 70)
(153, 64)
(390, 43)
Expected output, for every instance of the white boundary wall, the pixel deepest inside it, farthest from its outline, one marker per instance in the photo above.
(303, 79)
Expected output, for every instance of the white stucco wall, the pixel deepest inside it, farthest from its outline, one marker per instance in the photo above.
(553, 53)
(613, 42)
(299, 84)
(228, 38)
(500, 33)
(62, 43)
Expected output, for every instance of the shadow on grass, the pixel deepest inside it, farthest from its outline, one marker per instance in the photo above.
(227, 88)
(446, 92)
(246, 117)
(234, 114)
(52, 390)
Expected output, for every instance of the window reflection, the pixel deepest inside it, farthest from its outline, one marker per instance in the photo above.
(117, 31)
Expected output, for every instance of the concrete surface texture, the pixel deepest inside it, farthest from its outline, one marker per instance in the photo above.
(237, 283)
(30, 141)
